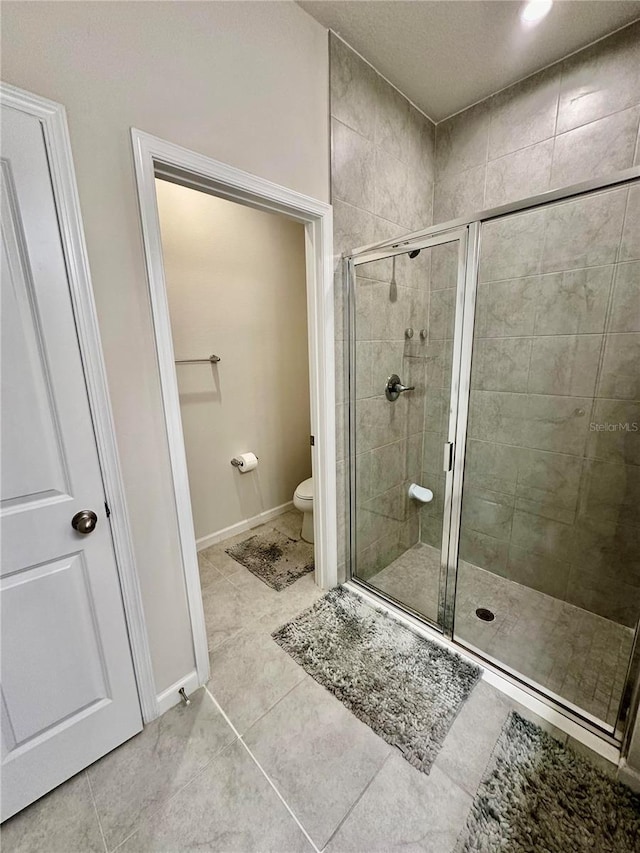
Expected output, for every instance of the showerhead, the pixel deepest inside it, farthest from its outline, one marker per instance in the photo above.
(414, 254)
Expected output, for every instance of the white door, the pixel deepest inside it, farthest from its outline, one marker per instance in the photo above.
(68, 689)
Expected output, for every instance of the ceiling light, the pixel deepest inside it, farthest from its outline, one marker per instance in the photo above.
(535, 10)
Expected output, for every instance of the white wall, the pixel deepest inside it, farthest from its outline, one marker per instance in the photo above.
(245, 83)
(236, 284)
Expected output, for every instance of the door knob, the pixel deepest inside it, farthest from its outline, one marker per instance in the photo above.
(84, 521)
(394, 387)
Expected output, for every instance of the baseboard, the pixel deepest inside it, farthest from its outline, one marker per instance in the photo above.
(241, 526)
(170, 697)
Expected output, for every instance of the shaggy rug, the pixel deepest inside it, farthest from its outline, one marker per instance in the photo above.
(539, 795)
(274, 558)
(405, 687)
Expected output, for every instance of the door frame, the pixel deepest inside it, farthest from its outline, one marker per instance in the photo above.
(53, 120)
(155, 157)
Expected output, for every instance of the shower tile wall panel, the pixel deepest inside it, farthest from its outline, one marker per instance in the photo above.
(382, 172)
(551, 496)
(444, 272)
(551, 501)
(389, 436)
(578, 119)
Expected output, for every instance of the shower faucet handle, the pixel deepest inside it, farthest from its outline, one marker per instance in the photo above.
(394, 387)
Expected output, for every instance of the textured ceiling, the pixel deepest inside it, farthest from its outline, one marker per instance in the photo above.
(445, 56)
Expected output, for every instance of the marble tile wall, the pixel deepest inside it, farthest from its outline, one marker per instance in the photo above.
(556, 328)
(552, 497)
(382, 173)
(437, 394)
(576, 120)
(390, 298)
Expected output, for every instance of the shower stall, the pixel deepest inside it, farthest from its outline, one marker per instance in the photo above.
(495, 362)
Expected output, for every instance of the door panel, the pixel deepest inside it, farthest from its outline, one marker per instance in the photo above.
(68, 687)
(548, 584)
(39, 642)
(32, 464)
(403, 319)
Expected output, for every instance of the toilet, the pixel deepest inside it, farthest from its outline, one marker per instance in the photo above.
(303, 501)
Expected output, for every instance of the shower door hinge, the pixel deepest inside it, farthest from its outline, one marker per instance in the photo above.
(312, 440)
(448, 455)
(107, 510)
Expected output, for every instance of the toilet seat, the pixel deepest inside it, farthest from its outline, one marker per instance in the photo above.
(304, 492)
(303, 501)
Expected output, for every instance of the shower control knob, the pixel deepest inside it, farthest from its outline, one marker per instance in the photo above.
(394, 387)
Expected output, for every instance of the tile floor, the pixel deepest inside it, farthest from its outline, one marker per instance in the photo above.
(413, 579)
(579, 656)
(264, 759)
(575, 654)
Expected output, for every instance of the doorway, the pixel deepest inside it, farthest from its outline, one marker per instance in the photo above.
(156, 159)
(236, 290)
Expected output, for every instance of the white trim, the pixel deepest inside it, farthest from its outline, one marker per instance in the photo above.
(170, 697)
(56, 135)
(241, 526)
(156, 157)
(551, 715)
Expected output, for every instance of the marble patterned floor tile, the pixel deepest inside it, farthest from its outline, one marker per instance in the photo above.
(137, 778)
(290, 602)
(63, 821)
(229, 808)
(404, 810)
(572, 652)
(289, 523)
(228, 610)
(249, 674)
(249, 584)
(468, 746)
(208, 572)
(319, 756)
(413, 579)
(217, 554)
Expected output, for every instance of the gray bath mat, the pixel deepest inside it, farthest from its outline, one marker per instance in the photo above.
(405, 687)
(274, 558)
(540, 795)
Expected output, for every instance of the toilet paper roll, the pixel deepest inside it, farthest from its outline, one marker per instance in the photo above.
(245, 462)
(419, 493)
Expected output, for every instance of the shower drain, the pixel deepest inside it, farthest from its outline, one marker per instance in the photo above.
(484, 614)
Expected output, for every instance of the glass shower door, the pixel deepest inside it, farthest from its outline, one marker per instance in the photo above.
(403, 309)
(549, 572)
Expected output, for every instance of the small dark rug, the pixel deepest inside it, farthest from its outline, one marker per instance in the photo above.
(539, 795)
(274, 558)
(403, 686)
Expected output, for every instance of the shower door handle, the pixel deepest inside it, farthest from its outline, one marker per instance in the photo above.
(394, 387)
(448, 456)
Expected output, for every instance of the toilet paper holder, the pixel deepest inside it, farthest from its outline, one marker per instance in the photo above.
(237, 462)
